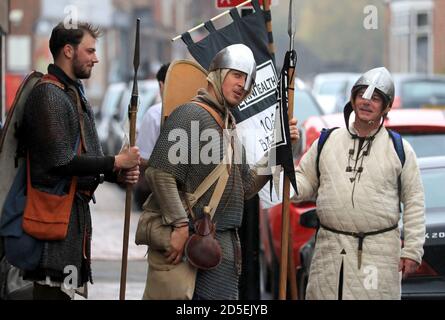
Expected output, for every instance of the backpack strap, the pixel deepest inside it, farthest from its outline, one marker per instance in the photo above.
(324, 135)
(398, 146)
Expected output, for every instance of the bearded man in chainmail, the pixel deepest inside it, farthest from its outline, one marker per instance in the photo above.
(231, 78)
(57, 119)
(360, 184)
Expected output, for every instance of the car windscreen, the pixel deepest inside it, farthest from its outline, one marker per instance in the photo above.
(332, 88)
(427, 145)
(433, 182)
(423, 93)
(305, 106)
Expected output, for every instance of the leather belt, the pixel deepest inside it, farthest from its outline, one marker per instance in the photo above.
(361, 237)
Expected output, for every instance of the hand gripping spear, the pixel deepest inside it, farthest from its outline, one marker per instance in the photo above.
(287, 266)
(132, 112)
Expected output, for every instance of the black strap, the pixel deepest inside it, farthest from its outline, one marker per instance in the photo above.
(361, 237)
(235, 14)
(81, 119)
(187, 38)
(210, 26)
(359, 234)
(324, 135)
(256, 5)
(267, 16)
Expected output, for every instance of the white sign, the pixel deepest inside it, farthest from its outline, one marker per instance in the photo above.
(18, 53)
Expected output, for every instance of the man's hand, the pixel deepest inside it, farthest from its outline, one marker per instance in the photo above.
(294, 133)
(407, 266)
(127, 158)
(130, 176)
(177, 243)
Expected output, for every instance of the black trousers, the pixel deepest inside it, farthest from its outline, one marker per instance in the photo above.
(42, 292)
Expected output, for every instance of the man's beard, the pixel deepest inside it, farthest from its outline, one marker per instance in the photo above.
(79, 71)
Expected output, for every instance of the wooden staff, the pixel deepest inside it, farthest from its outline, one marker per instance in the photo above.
(132, 113)
(287, 267)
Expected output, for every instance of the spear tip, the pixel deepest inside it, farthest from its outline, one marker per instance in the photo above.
(136, 47)
(291, 30)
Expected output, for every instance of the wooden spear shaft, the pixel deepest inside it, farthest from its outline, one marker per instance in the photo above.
(132, 112)
(285, 235)
(291, 265)
(287, 266)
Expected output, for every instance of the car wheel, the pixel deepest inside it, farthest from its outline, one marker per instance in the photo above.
(302, 280)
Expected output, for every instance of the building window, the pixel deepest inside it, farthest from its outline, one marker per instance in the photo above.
(411, 37)
(422, 20)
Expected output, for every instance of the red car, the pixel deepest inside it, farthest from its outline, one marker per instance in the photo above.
(424, 129)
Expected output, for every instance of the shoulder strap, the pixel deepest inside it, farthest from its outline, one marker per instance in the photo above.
(213, 113)
(81, 120)
(217, 193)
(220, 173)
(324, 135)
(49, 78)
(398, 145)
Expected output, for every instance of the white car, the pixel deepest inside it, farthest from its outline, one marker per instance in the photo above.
(329, 88)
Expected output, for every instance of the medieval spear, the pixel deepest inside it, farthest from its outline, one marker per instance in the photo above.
(132, 112)
(286, 266)
(291, 265)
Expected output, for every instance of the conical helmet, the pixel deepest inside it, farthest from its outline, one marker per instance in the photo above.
(378, 78)
(236, 57)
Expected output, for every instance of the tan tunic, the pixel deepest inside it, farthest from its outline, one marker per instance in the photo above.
(373, 204)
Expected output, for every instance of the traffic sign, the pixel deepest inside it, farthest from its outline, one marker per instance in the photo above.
(234, 3)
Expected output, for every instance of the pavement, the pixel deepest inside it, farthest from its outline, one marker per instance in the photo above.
(106, 252)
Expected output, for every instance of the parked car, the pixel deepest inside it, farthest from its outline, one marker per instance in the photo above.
(118, 123)
(424, 129)
(110, 105)
(411, 91)
(330, 88)
(419, 91)
(428, 282)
